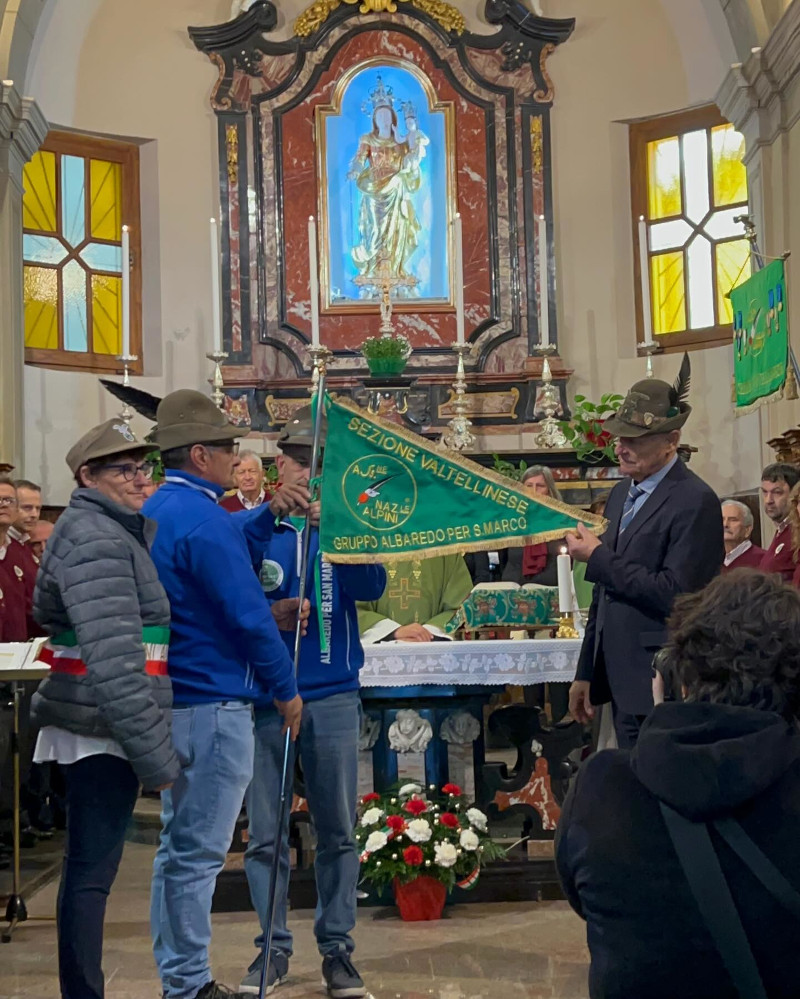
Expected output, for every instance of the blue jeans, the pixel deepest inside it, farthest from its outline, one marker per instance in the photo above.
(328, 747)
(214, 743)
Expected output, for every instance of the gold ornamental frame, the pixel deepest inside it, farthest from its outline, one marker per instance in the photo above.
(324, 111)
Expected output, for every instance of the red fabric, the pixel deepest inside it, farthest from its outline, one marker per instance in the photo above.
(751, 559)
(779, 557)
(422, 898)
(16, 598)
(534, 559)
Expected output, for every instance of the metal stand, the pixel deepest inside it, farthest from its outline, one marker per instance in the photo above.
(217, 356)
(458, 437)
(551, 435)
(320, 357)
(648, 349)
(566, 628)
(16, 911)
(126, 360)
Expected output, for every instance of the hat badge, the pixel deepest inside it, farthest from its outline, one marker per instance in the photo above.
(125, 430)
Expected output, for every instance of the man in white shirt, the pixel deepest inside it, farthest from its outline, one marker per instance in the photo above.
(737, 526)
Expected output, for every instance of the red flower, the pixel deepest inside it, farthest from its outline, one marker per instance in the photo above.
(453, 789)
(413, 856)
(372, 796)
(450, 820)
(396, 823)
(416, 806)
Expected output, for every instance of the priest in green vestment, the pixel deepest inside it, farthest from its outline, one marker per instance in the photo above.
(421, 596)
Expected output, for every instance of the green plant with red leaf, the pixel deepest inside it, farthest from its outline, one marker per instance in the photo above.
(408, 832)
(585, 431)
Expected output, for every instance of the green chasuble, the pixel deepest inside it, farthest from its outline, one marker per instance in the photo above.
(423, 591)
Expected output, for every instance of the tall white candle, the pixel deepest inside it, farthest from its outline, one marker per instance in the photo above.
(216, 311)
(313, 271)
(644, 265)
(126, 292)
(544, 286)
(458, 268)
(564, 566)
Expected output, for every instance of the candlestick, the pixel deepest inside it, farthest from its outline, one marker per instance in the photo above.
(644, 266)
(217, 383)
(544, 288)
(458, 268)
(648, 349)
(216, 313)
(551, 434)
(320, 356)
(126, 360)
(564, 570)
(458, 436)
(566, 628)
(313, 279)
(126, 293)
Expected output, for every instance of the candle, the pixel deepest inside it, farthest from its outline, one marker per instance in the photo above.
(216, 312)
(544, 289)
(126, 292)
(644, 264)
(564, 567)
(313, 279)
(458, 269)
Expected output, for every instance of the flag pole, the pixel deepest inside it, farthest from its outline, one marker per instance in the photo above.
(286, 782)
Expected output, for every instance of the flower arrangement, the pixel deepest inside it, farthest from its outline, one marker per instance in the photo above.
(387, 354)
(407, 834)
(585, 430)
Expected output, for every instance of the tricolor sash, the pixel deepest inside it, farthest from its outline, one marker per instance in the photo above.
(63, 654)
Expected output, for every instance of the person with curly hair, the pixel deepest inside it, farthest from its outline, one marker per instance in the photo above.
(727, 755)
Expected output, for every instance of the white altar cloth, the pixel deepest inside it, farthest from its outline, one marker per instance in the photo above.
(479, 663)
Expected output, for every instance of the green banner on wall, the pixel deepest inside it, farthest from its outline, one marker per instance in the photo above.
(389, 494)
(760, 337)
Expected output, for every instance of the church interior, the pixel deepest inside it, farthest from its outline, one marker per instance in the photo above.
(542, 202)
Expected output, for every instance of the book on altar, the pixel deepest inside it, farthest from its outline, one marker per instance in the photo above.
(20, 655)
(506, 605)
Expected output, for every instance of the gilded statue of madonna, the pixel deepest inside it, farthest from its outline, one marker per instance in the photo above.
(386, 170)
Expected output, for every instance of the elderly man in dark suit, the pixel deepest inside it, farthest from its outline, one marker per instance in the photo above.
(664, 538)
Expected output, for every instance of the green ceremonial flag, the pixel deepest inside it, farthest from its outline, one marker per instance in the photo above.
(760, 337)
(389, 494)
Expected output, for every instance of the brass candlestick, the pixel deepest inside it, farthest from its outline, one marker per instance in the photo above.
(320, 356)
(566, 628)
(217, 384)
(126, 360)
(551, 435)
(458, 437)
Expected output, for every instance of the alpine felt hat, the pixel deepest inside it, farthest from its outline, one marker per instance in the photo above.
(653, 407)
(109, 438)
(188, 417)
(299, 430)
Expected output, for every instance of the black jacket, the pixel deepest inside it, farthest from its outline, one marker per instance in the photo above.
(620, 871)
(673, 545)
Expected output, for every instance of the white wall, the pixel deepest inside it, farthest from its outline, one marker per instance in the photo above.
(129, 68)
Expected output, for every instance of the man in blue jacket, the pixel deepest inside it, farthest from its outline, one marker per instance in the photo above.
(330, 659)
(225, 654)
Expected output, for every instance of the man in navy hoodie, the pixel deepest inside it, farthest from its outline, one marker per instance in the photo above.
(225, 654)
(330, 659)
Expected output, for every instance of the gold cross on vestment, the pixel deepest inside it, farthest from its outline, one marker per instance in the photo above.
(404, 594)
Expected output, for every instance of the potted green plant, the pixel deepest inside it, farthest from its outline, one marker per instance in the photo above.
(423, 844)
(585, 430)
(387, 354)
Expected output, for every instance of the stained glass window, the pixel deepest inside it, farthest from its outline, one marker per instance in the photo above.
(690, 184)
(78, 193)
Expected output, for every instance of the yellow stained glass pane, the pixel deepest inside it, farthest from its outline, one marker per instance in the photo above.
(39, 200)
(107, 314)
(106, 193)
(668, 289)
(729, 173)
(664, 178)
(40, 286)
(733, 267)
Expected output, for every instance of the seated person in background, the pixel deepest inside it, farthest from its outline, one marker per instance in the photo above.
(737, 526)
(729, 751)
(534, 563)
(421, 596)
(777, 481)
(249, 478)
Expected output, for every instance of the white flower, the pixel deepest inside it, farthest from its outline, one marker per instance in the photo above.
(468, 839)
(371, 817)
(407, 789)
(477, 819)
(445, 854)
(375, 841)
(418, 831)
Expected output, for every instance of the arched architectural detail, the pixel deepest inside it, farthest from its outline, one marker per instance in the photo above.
(19, 20)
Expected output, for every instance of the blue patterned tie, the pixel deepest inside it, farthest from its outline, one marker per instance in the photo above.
(630, 506)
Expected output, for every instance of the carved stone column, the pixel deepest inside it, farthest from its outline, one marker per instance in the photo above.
(22, 130)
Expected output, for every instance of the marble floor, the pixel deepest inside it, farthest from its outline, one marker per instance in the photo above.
(501, 951)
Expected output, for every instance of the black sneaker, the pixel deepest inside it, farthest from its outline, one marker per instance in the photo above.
(341, 978)
(276, 974)
(214, 990)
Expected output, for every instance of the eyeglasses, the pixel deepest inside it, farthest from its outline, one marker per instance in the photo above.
(129, 470)
(230, 447)
(8, 501)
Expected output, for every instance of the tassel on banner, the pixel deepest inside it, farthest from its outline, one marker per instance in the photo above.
(790, 386)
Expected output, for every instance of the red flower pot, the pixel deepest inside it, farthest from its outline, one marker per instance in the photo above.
(422, 898)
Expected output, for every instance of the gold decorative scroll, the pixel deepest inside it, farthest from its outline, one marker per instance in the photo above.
(232, 153)
(486, 405)
(537, 144)
(282, 410)
(317, 14)
(545, 96)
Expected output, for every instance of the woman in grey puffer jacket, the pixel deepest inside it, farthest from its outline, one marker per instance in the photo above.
(104, 709)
